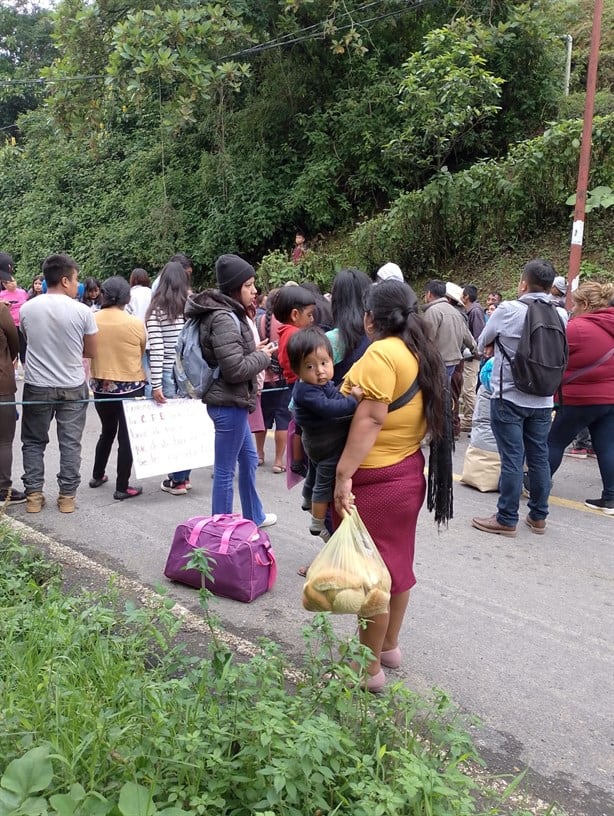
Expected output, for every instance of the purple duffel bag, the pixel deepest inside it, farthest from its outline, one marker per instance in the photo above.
(242, 561)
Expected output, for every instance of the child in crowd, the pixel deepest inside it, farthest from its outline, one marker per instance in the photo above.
(92, 296)
(320, 410)
(36, 288)
(294, 308)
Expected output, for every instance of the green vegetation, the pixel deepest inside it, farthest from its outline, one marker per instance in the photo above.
(492, 204)
(216, 128)
(104, 714)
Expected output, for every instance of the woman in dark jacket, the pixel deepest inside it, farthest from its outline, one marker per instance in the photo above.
(227, 342)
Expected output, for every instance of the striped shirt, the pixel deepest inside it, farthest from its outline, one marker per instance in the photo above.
(163, 334)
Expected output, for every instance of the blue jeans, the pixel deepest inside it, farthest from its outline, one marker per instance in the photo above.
(234, 443)
(569, 420)
(521, 432)
(69, 407)
(169, 389)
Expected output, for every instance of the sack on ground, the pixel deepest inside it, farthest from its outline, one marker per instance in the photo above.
(541, 357)
(348, 576)
(481, 469)
(241, 559)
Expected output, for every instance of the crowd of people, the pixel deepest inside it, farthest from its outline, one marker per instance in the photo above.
(351, 383)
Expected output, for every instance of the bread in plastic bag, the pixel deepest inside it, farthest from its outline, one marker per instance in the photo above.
(348, 576)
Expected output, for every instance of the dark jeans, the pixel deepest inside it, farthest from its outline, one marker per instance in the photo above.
(8, 420)
(69, 407)
(319, 484)
(569, 420)
(521, 432)
(22, 346)
(114, 424)
(169, 389)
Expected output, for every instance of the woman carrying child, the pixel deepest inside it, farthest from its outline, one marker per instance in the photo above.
(381, 468)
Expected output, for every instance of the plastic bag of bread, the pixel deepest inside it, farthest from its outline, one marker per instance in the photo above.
(348, 576)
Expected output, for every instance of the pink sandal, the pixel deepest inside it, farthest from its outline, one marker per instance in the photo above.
(391, 658)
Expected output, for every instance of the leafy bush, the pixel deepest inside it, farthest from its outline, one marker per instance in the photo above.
(572, 106)
(492, 203)
(103, 715)
(317, 266)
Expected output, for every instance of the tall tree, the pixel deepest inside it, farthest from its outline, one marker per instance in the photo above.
(26, 47)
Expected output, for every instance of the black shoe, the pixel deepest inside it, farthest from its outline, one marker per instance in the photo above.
(94, 482)
(128, 493)
(12, 496)
(605, 505)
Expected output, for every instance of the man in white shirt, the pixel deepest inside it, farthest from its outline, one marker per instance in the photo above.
(60, 331)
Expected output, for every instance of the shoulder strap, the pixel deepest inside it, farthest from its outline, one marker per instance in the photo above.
(408, 396)
(604, 358)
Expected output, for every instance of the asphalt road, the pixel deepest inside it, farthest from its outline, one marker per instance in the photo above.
(520, 632)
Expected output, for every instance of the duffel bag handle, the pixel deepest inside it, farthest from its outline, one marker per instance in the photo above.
(229, 521)
(272, 563)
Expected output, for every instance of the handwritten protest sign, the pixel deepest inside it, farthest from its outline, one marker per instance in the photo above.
(165, 438)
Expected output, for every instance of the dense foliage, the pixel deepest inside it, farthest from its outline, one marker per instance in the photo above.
(211, 128)
(493, 203)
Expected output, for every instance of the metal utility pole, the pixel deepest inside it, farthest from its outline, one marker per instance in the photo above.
(577, 233)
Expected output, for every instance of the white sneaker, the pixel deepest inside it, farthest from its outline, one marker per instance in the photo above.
(269, 520)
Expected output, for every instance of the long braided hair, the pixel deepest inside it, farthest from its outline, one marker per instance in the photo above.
(393, 307)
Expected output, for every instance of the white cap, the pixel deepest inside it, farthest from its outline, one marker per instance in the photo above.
(561, 284)
(389, 271)
(454, 291)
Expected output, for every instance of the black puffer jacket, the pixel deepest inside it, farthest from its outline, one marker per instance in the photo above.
(224, 345)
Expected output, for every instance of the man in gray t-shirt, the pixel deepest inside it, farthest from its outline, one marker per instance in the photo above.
(60, 332)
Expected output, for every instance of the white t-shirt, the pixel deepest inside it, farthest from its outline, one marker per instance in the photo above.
(54, 326)
(140, 297)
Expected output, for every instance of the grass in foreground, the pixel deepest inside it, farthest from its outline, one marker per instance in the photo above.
(102, 713)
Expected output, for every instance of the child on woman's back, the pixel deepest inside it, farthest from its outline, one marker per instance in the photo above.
(294, 308)
(320, 410)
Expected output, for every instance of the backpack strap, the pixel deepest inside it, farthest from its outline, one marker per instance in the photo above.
(408, 396)
(506, 357)
(262, 326)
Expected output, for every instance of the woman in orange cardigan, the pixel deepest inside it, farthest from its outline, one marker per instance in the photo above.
(116, 371)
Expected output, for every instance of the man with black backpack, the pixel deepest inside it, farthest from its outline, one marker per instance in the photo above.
(529, 343)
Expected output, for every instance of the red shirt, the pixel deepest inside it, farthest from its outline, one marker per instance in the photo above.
(285, 331)
(590, 336)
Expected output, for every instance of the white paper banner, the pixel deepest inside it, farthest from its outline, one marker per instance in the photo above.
(178, 435)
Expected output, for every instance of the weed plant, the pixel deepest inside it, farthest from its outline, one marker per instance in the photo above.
(103, 713)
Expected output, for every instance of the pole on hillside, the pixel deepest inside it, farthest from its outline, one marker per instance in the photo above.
(577, 233)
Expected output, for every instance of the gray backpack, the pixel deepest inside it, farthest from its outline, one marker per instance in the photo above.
(193, 374)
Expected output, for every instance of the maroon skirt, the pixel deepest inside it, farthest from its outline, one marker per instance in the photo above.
(389, 500)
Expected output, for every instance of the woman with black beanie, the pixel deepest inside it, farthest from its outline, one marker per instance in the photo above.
(228, 344)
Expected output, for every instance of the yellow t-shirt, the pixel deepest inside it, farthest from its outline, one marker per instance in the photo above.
(385, 372)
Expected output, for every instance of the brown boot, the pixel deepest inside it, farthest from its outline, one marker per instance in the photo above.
(66, 504)
(538, 526)
(34, 502)
(491, 525)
